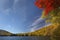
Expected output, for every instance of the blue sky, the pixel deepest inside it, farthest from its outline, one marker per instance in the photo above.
(18, 16)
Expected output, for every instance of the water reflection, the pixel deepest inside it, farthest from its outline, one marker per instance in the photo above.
(23, 38)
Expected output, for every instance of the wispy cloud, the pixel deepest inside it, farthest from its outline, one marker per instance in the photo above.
(37, 24)
(5, 6)
(33, 28)
(6, 26)
(6, 11)
(15, 1)
(34, 25)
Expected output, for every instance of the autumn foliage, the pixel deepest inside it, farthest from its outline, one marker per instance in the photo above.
(48, 5)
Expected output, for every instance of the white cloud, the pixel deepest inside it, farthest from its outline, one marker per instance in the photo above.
(35, 22)
(34, 25)
(33, 29)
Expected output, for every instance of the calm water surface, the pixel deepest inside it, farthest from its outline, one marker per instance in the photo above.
(23, 38)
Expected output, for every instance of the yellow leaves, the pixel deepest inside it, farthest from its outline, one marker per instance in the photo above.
(43, 16)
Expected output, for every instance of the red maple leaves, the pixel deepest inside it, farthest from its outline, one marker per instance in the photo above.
(48, 5)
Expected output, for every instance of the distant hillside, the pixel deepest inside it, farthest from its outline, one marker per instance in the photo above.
(4, 33)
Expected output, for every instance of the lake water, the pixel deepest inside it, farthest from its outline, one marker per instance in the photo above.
(23, 38)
